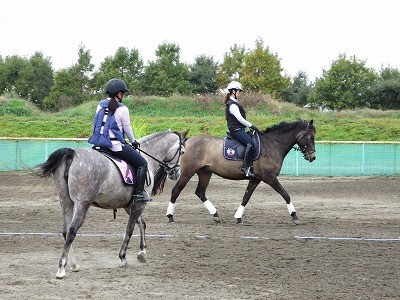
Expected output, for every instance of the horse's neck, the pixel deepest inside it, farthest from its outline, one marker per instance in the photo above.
(283, 142)
(158, 146)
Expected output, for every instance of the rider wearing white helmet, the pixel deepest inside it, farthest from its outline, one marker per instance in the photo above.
(236, 120)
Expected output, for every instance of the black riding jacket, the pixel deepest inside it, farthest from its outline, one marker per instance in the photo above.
(233, 123)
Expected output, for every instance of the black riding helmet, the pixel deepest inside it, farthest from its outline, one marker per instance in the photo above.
(115, 85)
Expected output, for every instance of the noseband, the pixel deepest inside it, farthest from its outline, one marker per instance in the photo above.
(307, 150)
(164, 164)
(173, 170)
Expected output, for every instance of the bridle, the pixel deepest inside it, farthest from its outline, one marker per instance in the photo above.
(164, 163)
(307, 149)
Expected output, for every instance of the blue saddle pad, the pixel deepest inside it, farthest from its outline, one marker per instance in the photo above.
(234, 150)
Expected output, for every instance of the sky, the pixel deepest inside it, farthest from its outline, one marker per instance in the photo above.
(306, 35)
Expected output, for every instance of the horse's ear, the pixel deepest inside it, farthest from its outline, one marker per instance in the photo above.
(311, 122)
(184, 135)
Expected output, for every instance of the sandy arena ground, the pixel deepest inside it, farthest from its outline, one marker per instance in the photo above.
(197, 259)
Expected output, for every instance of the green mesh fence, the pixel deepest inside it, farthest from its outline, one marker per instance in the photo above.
(333, 158)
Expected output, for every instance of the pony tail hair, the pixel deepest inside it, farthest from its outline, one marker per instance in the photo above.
(112, 105)
(226, 97)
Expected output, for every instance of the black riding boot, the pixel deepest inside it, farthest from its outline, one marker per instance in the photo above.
(247, 168)
(139, 194)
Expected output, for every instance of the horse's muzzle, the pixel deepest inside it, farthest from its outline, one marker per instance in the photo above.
(310, 156)
(174, 174)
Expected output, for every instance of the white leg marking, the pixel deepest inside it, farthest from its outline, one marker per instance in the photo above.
(239, 212)
(171, 209)
(291, 208)
(212, 210)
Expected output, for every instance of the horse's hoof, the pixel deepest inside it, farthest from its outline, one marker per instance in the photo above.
(124, 263)
(141, 257)
(216, 218)
(170, 219)
(75, 268)
(296, 222)
(60, 273)
(295, 218)
(239, 221)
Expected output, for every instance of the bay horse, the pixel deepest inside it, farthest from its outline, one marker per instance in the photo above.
(204, 157)
(85, 177)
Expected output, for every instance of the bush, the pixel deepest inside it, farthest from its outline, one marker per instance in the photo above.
(14, 111)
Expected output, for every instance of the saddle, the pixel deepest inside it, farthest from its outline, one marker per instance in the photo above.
(234, 150)
(126, 170)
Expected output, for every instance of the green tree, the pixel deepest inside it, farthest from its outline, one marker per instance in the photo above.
(385, 93)
(81, 71)
(231, 66)
(166, 75)
(2, 76)
(203, 75)
(125, 64)
(71, 85)
(299, 90)
(13, 67)
(344, 85)
(262, 71)
(389, 73)
(35, 79)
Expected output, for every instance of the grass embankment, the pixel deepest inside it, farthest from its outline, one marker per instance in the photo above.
(19, 118)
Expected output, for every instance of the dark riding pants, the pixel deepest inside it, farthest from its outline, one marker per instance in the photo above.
(131, 156)
(242, 136)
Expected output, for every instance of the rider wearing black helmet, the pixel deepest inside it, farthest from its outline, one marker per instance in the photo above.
(116, 89)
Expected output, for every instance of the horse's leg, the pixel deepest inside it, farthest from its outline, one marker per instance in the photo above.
(246, 197)
(77, 221)
(204, 180)
(276, 185)
(141, 256)
(176, 190)
(135, 211)
(67, 206)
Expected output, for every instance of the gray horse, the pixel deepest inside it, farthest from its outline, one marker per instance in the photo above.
(85, 177)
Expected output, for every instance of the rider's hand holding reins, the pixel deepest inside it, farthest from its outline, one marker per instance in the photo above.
(252, 127)
(135, 144)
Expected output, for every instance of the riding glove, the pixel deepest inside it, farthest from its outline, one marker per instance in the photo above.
(135, 144)
(252, 127)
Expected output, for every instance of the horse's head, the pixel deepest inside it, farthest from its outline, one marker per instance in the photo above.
(306, 142)
(172, 160)
(170, 166)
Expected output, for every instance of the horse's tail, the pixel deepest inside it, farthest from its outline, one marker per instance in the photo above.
(54, 161)
(159, 181)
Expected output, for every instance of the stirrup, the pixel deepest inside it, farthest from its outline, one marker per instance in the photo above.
(141, 197)
(248, 172)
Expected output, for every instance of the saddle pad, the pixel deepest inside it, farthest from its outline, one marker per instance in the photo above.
(234, 150)
(123, 167)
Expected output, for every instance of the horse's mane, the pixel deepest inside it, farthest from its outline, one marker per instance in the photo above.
(159, 180)
(154, 135)
(284, 127)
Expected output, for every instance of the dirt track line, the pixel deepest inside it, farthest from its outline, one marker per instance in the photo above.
(204, 236)
(346, 238)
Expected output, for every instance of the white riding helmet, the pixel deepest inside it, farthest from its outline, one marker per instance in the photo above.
(235, 85)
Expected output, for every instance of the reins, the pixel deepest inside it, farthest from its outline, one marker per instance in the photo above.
(296, 148)
(163, 164)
